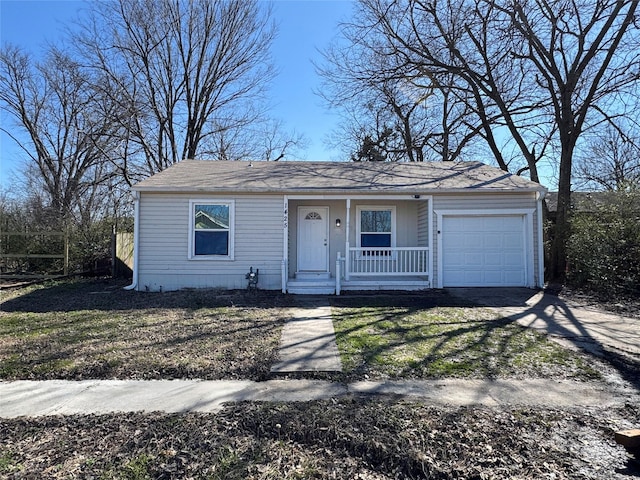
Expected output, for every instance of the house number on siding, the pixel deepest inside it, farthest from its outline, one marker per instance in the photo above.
(285, 219)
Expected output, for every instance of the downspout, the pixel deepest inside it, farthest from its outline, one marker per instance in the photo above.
(540, 197)
(285, 245)
(136, 240)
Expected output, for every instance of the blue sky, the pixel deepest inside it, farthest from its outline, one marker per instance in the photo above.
(305, 26)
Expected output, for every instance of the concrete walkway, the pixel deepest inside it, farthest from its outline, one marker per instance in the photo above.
(308, 341)
(60, 397)
(568, 323)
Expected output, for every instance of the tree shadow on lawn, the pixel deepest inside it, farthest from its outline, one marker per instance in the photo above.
(485, 345)
(107, 294)
(601, 335)
(217, 351)
(94, 329)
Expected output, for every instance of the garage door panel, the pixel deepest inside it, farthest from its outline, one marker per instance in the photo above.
(473, 224)
(493, 259)
(513, 260)
(454, 258)
(457, 240)
(492, 277)
(472, 277)
(492, 240)
(473, 259)
(458, 277)
(512, 239)
(483, 250)
(471, 243)
(513, 278)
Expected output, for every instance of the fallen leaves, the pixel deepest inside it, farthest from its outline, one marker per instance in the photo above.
(347, 438)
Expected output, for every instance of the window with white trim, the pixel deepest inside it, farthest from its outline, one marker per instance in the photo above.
(376, 227)
(211, 229)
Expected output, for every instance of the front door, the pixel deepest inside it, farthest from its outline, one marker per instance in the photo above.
(313, 244)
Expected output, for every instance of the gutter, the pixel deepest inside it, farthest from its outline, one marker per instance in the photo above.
(338, 193)
(136, 240)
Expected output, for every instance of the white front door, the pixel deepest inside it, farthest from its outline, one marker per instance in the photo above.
(313, 239)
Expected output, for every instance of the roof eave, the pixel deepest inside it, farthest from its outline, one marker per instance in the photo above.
(354, 191)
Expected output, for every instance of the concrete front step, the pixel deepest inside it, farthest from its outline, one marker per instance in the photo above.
(312, 276)
(316, 287)
(328, 287)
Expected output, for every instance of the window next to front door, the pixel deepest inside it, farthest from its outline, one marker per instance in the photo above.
(375, 226)
(211, 229)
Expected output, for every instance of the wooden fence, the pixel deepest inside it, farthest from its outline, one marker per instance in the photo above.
(122, 254)
(20, 251)
(18, 248)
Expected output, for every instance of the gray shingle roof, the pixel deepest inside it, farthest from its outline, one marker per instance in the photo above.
(333, 177)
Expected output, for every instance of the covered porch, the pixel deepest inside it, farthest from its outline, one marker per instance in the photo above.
(338, 243)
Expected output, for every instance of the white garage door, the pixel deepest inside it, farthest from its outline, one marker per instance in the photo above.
(483, 251)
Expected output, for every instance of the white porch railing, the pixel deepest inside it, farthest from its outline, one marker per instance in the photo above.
(363, 261)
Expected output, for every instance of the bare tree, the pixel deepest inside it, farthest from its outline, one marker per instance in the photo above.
(408, 115)
(539, 73)
(190, 73)
(610, 161)
(62, 125)
(272, 142)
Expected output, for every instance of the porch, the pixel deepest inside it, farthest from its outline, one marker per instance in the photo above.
(357, 243)
(400, 268)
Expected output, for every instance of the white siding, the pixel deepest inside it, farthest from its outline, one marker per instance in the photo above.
(164, 235)
(423, 223)
(487, 203)
(536, 250)
(164, 244)
(481, 201)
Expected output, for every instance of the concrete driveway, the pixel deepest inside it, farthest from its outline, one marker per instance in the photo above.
(569, 323)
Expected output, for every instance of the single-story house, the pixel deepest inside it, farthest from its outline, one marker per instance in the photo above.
(324, 227)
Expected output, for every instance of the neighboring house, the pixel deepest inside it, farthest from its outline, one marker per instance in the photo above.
(323, 227)
(592, 203)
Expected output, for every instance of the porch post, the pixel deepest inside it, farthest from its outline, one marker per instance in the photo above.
(430, 244)
(347, 230)
(338, 275)
(285, 244)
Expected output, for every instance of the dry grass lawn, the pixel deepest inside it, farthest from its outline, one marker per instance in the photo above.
(89, 329)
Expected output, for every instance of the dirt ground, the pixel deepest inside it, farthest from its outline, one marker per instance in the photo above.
(351, 438)
(626, 306)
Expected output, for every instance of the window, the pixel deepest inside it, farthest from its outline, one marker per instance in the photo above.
(313, 216)
(211, 229)
(376, 227)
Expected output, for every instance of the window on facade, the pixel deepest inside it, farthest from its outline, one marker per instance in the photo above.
(376, 227)
(313, 216)
(212, 229)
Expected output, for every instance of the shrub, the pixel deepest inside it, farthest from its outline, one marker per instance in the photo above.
(604, 247)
